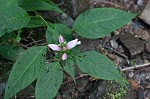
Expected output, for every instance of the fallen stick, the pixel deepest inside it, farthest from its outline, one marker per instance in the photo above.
(136, 66)
(70, 80)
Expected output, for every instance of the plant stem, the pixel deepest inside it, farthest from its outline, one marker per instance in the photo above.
(134, 67)
(46, 23)
(31, 7)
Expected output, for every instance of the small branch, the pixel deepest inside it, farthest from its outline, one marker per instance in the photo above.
(43, 44)
(30, 33)
(46, 23)
(124, 56)
(31, 7)
(30, 97)
(62, 2)
(35, 42)
(51, 60)
(78, 77)
(134, 67)
(31, 38)
(26, 47)
(110, 3)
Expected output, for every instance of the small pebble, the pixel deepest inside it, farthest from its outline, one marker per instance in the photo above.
(148, 85)
(140, 2)
(126, 0)
(118, 60)
(147, 46)
(136, 25)
(147, 76)
(111, 56)
(131, 74)
(114, 44)
(133, 45)
(67, 20)
(2, 87)
(142, 34)
(82, 84)
(146, 97)
(145, 61)
(146, 13)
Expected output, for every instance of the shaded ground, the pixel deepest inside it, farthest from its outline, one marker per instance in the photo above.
(126, 47)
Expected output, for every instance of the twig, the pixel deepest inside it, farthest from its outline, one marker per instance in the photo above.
(134, 67)
(32, 39)
(30, 97)
(80, 76)
(30, 33)
(51, 60)
(62, 2)
(42, 44)
(124, 56)
(113, 4)
(35, 42)
(26, 47)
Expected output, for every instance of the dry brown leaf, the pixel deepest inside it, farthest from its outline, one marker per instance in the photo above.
(134, 84)
(92, 79)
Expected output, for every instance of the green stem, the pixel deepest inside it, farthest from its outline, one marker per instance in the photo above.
(46, 23)
(31, 7)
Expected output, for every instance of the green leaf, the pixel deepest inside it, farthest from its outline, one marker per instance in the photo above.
(51, 35)
(98, 22)
(18, 38)
(99, 66)
(7, 37)
(25, 70)
(31, 5)
(55, 30)
(49, 81)
(69, 68)
(11, 53)
(35, 22)
(12, 18)
(8, 3)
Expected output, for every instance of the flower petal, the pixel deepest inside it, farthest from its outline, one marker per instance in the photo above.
(61, 39)
(79, 42)
(72, 43)
(54, 47)
(64, 56)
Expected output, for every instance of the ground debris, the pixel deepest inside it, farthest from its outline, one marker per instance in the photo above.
(133, 46)
(143, 34)
(111, 90)
(145, 15)
(147, 46)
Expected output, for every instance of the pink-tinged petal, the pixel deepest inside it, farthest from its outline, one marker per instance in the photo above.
(64, 56)
(72, 44)
(79, 42)
(54, 47)
(61, 39)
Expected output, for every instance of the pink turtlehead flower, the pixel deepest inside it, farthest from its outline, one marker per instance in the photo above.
(64, 56)
(72, 44)
(54, 47)
(63, 46)
(61, 39)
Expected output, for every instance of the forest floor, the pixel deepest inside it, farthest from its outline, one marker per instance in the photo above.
(128, 47)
